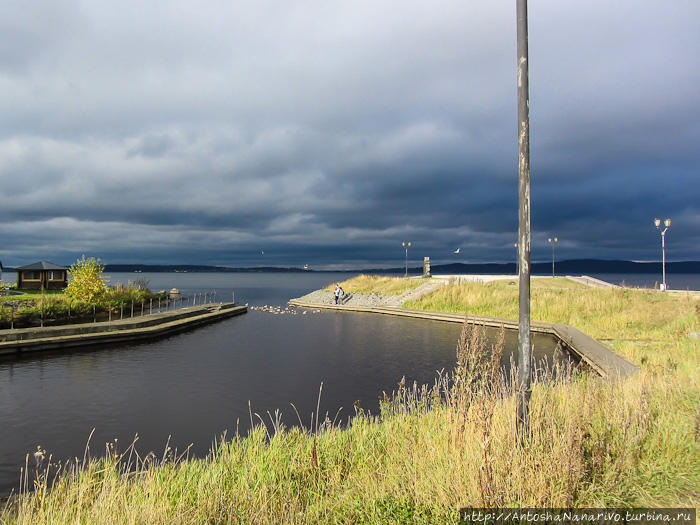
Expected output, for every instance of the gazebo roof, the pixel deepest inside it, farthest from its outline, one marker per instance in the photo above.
(42, 265)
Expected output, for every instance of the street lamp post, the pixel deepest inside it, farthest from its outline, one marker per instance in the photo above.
(406, 246)
(553, 241)
(517, 261)
(667, 225)
(524, 343)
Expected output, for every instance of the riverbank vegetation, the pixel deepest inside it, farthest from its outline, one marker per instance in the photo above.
(430, 451)
(51, 307)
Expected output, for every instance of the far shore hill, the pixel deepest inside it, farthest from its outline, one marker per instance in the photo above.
(566, 267)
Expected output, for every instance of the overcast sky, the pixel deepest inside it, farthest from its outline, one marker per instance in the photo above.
(326, 133)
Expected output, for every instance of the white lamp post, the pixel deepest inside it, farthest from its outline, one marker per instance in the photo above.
(553, 241)
(406, 245)
(667, 225)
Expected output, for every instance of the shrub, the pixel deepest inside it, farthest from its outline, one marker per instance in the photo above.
(136, 292)
(87, 283)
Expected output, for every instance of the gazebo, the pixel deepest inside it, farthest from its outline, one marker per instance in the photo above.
(42, 275)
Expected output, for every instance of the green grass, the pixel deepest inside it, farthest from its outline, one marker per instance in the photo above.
(594, 442)
(377, 284)
(33, 295)
(619, 315)
(553, 282)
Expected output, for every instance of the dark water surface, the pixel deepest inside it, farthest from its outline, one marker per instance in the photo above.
(675, 281)
(195, 385)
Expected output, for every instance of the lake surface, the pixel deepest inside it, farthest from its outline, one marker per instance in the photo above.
(196, 385)
(675, 281)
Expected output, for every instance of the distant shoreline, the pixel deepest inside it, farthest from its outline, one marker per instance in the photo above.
(566, 267)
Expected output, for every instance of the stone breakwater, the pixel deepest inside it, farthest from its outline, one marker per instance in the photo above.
(278, 310)
(323, 297)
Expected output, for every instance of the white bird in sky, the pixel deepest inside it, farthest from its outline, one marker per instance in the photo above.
(262, 252)
(457, 250)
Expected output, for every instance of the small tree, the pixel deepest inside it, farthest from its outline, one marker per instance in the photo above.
(87, 283)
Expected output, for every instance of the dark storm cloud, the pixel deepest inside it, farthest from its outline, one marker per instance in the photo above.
(326, 133)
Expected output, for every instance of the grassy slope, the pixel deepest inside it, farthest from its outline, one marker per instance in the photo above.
(377, 284)
(628, 443)
(613, 314)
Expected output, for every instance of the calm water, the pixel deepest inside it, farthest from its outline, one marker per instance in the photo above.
(675, 281)
(195, 385)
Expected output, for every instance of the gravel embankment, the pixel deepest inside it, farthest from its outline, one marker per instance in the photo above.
(356, 299)
(371, 299)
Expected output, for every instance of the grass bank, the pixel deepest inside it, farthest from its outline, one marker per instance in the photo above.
(377, 284)
(642, 325)
(432, 450)
(55, 307)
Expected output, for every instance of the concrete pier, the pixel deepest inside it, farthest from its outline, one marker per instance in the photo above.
(125, 330)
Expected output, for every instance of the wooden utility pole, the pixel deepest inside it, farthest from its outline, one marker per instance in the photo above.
(524, 344)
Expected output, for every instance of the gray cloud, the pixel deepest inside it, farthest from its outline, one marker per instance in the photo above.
(328, 132)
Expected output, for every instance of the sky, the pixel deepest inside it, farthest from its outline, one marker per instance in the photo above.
(327, 133)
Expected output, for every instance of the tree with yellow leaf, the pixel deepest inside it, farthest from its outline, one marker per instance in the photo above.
(87, 283)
